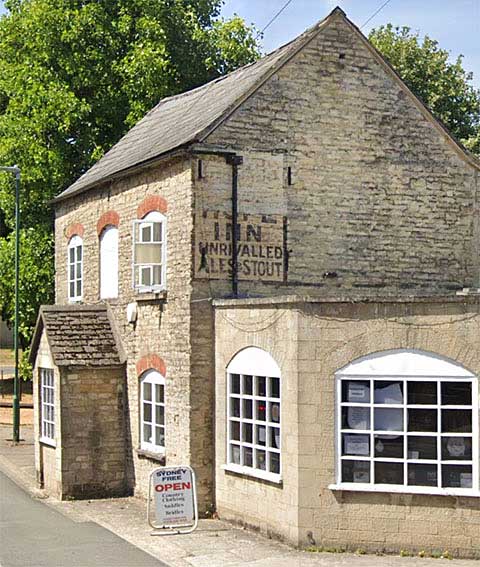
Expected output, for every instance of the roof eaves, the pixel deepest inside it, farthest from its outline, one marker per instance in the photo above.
(175, 152)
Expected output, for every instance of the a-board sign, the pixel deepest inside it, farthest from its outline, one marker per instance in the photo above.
(260, 246)
(174, 497)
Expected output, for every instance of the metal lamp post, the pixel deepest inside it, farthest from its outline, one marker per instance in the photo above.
(16, 384)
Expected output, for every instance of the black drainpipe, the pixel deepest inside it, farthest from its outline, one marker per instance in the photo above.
(234, 161)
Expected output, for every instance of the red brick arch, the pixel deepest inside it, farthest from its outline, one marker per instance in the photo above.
(110, 218)
(151, 362)
(150, 204)
(74, 229)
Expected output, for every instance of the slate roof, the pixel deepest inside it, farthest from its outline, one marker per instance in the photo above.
(79, 335)
(179, 121)
(188, 117)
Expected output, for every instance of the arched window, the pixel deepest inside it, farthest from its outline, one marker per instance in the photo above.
(407, 422)
(109, 262)
(149, 261)
(152, 411)
(75, 268)
(253, 414)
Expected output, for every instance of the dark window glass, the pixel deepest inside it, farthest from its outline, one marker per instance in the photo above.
(456, 421)
(275, 463)
(422, 420)
(247, 433)
(389, 446)
(247, 409)
(422, 447)
(274, 387)
(456, 393)
(248, 457)
(422, 475)
(248, 385)
(235, 407)
(261, 410)
(456, 448)
(275, 437)
(235, 430)
(261, 459)
(457, 476)
(422, 393)
(235, 383)
(261, 386)
(388, 473)
(356, 471)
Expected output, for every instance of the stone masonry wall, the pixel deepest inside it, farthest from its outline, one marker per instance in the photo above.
(164, 322)
(378, 195)
(93, 433)
(324, 337)
(48, 458)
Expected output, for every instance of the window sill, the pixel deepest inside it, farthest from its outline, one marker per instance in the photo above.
(254, 473)
(47, 441)
(390, 488)
(149, 295)
(145, 454)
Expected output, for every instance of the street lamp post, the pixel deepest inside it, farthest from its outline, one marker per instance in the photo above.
(16, 383)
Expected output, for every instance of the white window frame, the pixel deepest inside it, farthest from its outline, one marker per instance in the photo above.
(157, 382)
(148, 221)
(75, 244)
(109, 263)
(47, 406)
(253, 364)
(401, 367)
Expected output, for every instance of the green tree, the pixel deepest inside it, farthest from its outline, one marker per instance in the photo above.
(75, 75)
(444, 86)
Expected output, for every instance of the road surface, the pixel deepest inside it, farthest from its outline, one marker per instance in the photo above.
(32, 534)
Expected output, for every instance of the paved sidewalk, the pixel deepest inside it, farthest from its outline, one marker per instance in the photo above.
(213, 544)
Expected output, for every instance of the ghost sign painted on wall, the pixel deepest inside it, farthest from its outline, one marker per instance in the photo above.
(260, 246)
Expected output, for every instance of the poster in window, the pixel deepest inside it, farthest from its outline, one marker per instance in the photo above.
(358, 392)
(357, 445)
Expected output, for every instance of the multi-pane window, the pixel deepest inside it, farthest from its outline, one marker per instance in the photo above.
(152, 411)
(47, 405)
(419, 432)
(253, 416)
(75, 268)
(149, 253)
(109, 263)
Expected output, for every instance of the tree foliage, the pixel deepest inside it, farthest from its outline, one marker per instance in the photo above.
(75, 75)
(444, 86)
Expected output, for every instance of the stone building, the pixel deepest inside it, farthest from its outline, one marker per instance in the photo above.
(282, 252)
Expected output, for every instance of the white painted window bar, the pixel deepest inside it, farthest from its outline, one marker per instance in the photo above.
(416, 433)
(152, 410)
(47, 406)
(253, 431)
(149, 253)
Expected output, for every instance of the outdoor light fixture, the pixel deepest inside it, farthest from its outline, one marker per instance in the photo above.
(15, 170)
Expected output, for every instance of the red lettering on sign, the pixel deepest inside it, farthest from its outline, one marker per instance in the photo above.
(174, 486)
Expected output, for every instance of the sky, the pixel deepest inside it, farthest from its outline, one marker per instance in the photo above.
(455, 24)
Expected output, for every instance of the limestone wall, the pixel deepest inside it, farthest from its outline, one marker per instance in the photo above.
(311, 342)
(378, 195)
